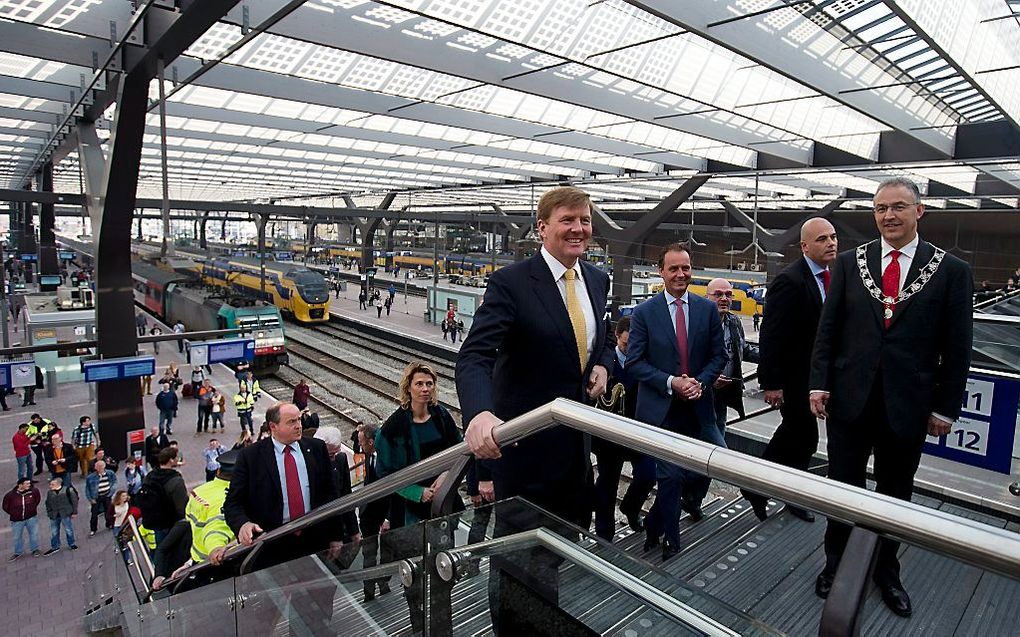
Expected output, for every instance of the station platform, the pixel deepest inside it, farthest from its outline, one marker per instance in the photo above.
(406, 316)
(43, 595)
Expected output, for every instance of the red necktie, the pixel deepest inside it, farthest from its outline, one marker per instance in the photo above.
(681, 336)
(295, 499)
(826, 277)
(891, 282)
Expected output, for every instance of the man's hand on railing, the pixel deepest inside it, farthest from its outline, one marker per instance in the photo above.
(216, 555)
(479, 435)
(246, 535)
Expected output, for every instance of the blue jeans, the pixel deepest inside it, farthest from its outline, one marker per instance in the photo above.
(166, 420)
(25, 467)
(55, 524)
(32, 525)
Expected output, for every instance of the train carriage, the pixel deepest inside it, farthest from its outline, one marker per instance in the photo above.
(298, 291)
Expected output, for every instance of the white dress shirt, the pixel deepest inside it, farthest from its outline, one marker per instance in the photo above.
(905, 259)
(302, 470)
(558, 270)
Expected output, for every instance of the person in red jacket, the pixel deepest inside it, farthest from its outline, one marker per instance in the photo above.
(23, 451)
(301, 394)
(22, 504)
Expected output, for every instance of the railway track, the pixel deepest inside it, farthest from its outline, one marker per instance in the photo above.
(383, 351)
(330, 370)
(332, 410)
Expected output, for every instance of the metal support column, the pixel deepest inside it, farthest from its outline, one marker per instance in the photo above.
(202, 242)
(48, 263)
(26, 242)
(260, 224)
(167, 248)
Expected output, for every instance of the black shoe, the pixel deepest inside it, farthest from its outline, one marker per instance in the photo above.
(52, 551)
(897, 600)
(669, 551)
(650, 541)
(37, 472)
(758, 505)
(801, 514)
(634, 520)
(823, 585)
(693, 509)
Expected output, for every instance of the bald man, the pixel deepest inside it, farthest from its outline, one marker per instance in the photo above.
(793, 307)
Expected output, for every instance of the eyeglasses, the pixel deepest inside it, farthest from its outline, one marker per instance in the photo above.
(728, 294)
(898, 207)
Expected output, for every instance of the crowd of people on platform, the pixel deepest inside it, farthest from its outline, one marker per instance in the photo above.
(369, 298)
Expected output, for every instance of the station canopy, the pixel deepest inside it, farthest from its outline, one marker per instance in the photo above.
(788, 104)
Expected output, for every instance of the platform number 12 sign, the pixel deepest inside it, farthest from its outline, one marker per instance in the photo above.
(983, 434)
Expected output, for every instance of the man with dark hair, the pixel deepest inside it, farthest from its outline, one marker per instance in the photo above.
(278, 480)
(164, 496)
(676, 354)
(22, 505)
(890, 365)
(85, 439)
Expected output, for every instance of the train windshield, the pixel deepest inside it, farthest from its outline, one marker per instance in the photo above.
(252, 323)
(311, 285)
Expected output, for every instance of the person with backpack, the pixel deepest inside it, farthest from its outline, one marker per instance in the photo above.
(61, 509)
(98, 491)
(163, 496)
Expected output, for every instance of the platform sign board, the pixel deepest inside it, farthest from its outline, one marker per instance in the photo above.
(29, 257)
(19, 373)
(227, 350)
(65, 255)
(983, 435)
(97, 371)
(136, 445)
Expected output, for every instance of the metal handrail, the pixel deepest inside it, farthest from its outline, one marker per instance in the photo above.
(971, 542)
(997, 319)
(588, 561)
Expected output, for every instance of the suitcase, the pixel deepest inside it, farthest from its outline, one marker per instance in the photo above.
(186, 390)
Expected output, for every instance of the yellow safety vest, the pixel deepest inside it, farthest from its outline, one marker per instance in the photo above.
(209, 529)
(148, 535)
(244, 402)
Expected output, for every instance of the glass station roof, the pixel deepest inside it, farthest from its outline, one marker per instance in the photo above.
(467, 102)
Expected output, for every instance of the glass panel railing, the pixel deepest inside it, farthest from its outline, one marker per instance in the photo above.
(997, 342)
(585, 586)
(205, 611)
(326, 594)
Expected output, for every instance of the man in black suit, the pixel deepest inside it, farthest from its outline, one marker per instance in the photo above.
(540, 334)
(373, 517)
(279, 479)
(793, 306)
(676, 354)
(890, 365)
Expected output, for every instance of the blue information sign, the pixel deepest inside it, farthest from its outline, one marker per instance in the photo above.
(230, 350)
(5, 376)
(118, 368)
(29, 257)
(983, 435)
(66, 255)
(284, 256)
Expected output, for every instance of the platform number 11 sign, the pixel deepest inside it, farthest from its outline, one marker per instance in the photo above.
(983, 434)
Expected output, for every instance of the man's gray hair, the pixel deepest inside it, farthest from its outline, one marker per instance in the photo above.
(329, 435)
(369, 430)
(901, 182)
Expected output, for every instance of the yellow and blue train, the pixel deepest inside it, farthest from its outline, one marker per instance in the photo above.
(300, 293)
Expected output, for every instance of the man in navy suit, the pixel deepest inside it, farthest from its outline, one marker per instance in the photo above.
(527, 347)
(676, 353)
(540, 334)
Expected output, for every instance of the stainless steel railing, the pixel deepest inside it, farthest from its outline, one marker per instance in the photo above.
(972, 542)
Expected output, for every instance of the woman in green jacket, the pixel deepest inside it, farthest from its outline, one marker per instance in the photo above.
(419, 428)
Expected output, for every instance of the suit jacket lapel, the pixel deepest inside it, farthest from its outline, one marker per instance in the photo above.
(922, 256)
(874, 254)
(268, 454)
(667, 326)
(549, 295)
(810, 282)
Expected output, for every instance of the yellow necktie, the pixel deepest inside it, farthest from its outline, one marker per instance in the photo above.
(576, 318)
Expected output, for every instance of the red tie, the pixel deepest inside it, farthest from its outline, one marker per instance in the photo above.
(295, 500)
(826, 277)
(891, 281)
(681, 336)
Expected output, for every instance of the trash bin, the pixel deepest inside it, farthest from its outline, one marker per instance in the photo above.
(428, 319)
(51, 382)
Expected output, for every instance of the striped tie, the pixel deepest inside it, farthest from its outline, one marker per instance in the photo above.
(576, 318)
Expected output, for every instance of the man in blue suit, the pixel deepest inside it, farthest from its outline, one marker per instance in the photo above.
(676, 353)
(540, 334)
